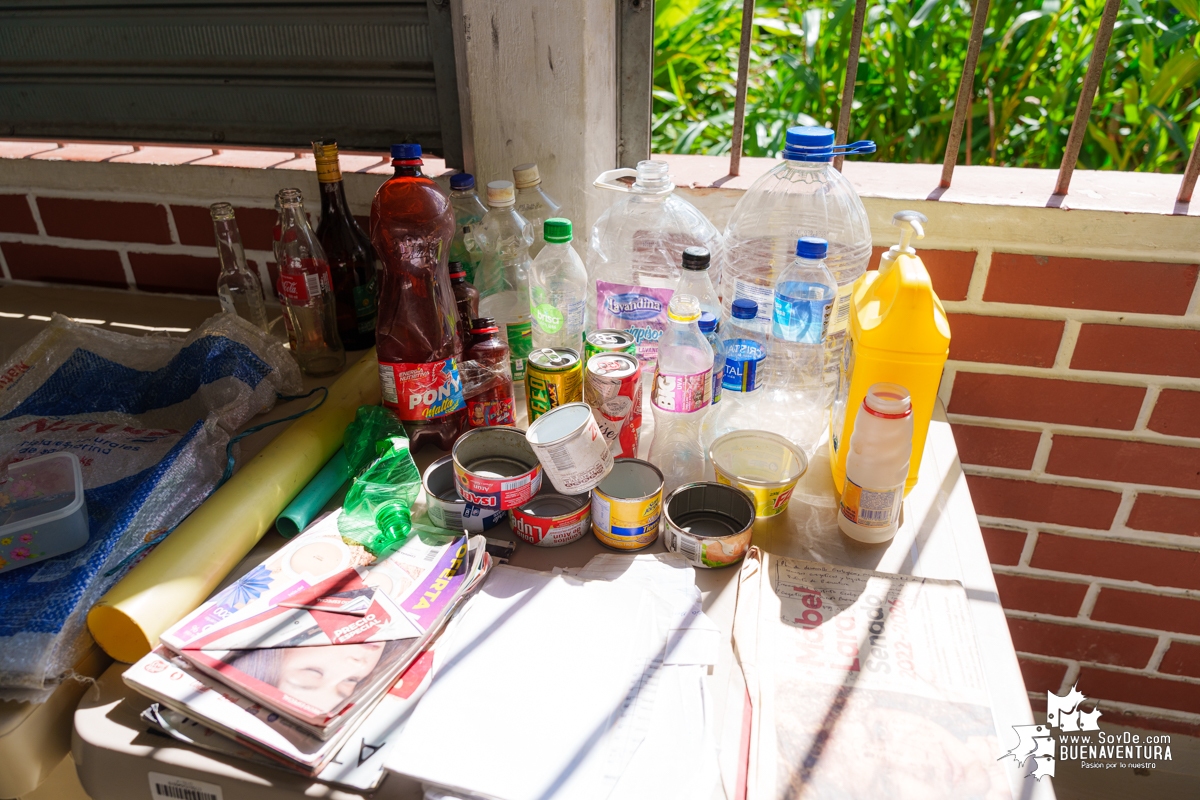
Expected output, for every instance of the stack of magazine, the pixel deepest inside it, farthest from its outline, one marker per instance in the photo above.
(312, 659)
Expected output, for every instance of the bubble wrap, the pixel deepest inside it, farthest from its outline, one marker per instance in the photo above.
(150, 418)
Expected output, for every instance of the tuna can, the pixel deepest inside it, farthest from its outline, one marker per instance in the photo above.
(553, 378)
(709, 524)
(495, 468)
(446, 509)
(612, 386)
(608, 340)
(571, 447)
(551, 519)
(627, 505)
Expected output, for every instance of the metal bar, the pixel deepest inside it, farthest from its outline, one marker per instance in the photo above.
(635, 80)
(445, 69)
(966, 91)
(843, 126)
(1190, 173)
(1083, 109)
(739, 101)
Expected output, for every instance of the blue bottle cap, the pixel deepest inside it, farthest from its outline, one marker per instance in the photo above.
(745, 308)
(814, 143)
(462, 180)
(708, 322)
(811, 247)
(405, 152)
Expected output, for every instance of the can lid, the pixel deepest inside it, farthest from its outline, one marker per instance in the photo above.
(708, 322)
(745, 308)
(461, 181)
(557, 357)
(406, 152)
(526, 176)
(811, 247)
(612, 365)
(557, 230)
(696, 258)
(500, 194)
(457, 270)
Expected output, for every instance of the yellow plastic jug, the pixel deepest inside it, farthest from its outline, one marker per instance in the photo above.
(898, 334)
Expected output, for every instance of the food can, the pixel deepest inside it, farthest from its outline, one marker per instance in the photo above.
(627, 505)
(551, 519)
(608, 340)
(495, 468)
(612, 386)
(765, 465)
(446, 509)
(553, 378)
(571, 447)
(709, 524)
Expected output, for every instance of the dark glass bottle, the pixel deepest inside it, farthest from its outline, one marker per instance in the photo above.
(492, 404)
(351, 257)
(466, 297)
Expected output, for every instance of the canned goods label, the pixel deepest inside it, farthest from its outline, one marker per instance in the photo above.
(490, 413)
(616, 401)
(579, 462)
(767, 501)
(686, 545)
(626, 524)
(871, 508)
(640, 311)
(421, 391)
(682, 393)
(520, 342)
(497, 493)
(548, 390)
(551, 531)
(706, 553)
(463, 516)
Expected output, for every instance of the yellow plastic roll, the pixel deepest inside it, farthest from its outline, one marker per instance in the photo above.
(182, 572)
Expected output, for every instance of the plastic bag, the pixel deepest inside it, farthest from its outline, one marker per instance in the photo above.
(376, 513)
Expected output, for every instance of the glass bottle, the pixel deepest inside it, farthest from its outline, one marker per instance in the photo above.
(533, 203)
(466, 298)
(492, 402)
(504, 284)
(238, 288)
(468, 213)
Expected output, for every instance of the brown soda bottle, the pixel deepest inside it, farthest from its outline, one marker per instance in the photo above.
(412, 225)
(349, 252)
(466, 297)
(494, 405)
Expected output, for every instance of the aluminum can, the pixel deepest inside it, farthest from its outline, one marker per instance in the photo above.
(627, 505)
(571, 447)
(709, 524)
(495, 468)
(612, 386)
(553, 378)
(608, 340)
(446, 509)
(551, 519)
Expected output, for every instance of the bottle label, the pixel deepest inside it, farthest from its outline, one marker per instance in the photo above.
(839, 319)
(548, 318)
(682, 394)
(328, 170)
(802, 312)
(837, 418)
(364, 306)
(489, 413)
(640, 311)
(763, 295)
(871, 508)
(303, 281)
(418, 392)
(742, 357)
(520, 343)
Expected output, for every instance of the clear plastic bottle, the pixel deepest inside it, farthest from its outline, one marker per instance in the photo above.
(681, 395)
(696, 281)
(468, 213)
(802, 196)
(504, 281)
(804, 298)
(743, 401)
(557, 290)
(238, 288)
(533, 203)
(877, 465)
(710, 326)
(635, 251)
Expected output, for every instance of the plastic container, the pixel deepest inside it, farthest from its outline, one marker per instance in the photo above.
(42, 510)
(533, 203)
(877, 465)
(377, 511)
(503, 281)
(490, 396)
(558, 290)
(743, 400)
(710, 326)
(681, 395)
(899, 334)
(764, 465)
(804, 298)
(695, 279)
(468, 213)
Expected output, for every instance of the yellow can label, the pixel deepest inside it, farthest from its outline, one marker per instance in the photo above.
(767, 501)
(626, 524)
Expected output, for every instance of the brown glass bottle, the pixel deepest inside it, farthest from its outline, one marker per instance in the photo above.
(466, 297)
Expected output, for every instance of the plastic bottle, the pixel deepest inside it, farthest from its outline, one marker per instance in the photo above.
(412, 224)
(238, 288)
(377, 511)
(533, 203)
(466, 299)
(490, 401)
(804, 298)
(306, 290)
(742, 378)
(504, 281)
(802, 196)
(557, 290)
(694, 279)
(710, 326)
(898, 334)
(468, 213)
(877, 465)
(681, 395)
(635, 251)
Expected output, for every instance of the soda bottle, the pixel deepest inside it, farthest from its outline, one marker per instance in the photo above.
(681, 395)
(696, 280)
(468, 213)
(558, 290)
(466, 299)
(494, 403)
(412, 225)
(306, 290)
(238, 288)
(533, 203)
(710, 326)
(504, 282)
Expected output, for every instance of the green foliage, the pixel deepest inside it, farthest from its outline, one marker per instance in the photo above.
(1031, 68)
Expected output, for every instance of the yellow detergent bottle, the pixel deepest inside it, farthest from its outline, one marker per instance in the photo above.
(898, 334)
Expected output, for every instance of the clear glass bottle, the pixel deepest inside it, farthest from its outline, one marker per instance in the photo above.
(557, 290)
(504, 283)
(468, 213)
(681, 395)
(238, 288)
(533, 203)
(306, 289)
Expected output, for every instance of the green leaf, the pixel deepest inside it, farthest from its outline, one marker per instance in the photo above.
(927, 8)
(1181, 70)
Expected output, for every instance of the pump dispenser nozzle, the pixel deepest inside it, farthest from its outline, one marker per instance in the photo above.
(910, 223)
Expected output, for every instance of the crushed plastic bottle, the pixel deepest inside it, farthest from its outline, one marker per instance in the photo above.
(681, 395)
(557, 288)
(377, 511)
(504, 280)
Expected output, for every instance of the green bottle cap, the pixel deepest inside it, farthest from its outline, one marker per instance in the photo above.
(557, 230)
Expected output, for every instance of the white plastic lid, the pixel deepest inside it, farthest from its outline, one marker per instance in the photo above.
(526, 176)
(39, 490)
(500, 193)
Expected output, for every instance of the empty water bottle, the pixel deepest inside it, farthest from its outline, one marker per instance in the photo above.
(681, 395)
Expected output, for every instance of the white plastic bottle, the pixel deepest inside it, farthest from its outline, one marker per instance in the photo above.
(533, 203)
(742, 404)
(877, 465)
(710, 326)
(694, 279)
(804, 298)
(681, 395)
(504, 275)
(557, 290)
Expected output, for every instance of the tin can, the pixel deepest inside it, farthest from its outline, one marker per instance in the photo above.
(551, 519)
(709, 524)
(553, 378)
(446, 509)
(627, 505)
(495, 468)
(571, 447)
(608, 340)
(612, 386)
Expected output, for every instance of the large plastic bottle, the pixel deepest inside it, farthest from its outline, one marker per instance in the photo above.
(558, 290)
(898, 334)
(635, 251)
(742, 405)
(412, 225)
(468, 213)
(533, 203)
(877, 465)
(802, 196)
(681, 395)
(504, 281)
(804, 298)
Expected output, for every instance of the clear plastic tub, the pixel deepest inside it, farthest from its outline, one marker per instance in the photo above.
(42, 510)
(764, 465)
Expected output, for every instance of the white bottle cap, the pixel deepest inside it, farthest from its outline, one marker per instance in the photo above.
(500, 193)
(526, 176)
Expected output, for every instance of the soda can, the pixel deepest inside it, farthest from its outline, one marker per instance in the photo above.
(553, 378)
(571, 447)
(608, 340)
(627, 505)
(612, 386)
(551, 519)
(446, 509)
(709, 524)
(495, 468)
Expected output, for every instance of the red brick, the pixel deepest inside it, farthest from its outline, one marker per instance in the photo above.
(1085, 644)
(1151, 723)
(1122, 687)
(1005, 340)
(1176, 413)
(1022, 593)
(1126, 462)
(1136, 349)
(40, 262)
(106, 220)
(950, 270)
(1156, 512)
(1181, 658)
(1004, 546)
(1042, 676)
(1043, 502)
(1145, 610)
(158, 272)
(1138, 286)
(996, 447)
(1124, 561)
(15, 216)
(194, 225)
(1092, 405)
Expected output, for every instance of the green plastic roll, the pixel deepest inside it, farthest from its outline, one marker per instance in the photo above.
(313, 497)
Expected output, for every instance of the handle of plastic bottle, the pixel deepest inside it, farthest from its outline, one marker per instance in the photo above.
(617, 180)
(854, 148)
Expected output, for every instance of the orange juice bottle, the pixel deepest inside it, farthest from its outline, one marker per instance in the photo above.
(898, 334)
